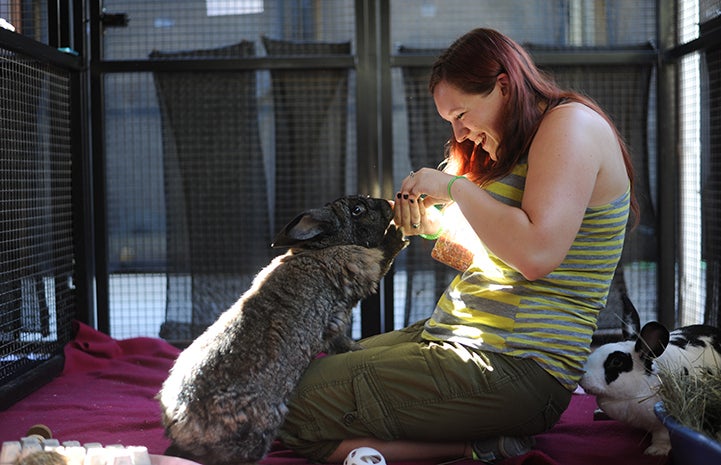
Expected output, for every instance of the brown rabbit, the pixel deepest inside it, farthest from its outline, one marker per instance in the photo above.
(226, 395)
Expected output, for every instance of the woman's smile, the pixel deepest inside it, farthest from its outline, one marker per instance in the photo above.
(474, 117)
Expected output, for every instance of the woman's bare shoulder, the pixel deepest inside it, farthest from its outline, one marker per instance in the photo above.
(577, 113)
(589, 135)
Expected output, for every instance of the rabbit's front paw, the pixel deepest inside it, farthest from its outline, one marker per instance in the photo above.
(658, 449)
(660, 443)
(341, 344)
(394, 241)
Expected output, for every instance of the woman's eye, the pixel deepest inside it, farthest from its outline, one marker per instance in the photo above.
(460, 116)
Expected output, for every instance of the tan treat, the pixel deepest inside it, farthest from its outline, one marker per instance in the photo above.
(452, 254)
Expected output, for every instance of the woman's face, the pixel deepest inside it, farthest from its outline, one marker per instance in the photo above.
(476, 117)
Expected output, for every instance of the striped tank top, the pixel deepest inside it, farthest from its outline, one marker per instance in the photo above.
(551, 320)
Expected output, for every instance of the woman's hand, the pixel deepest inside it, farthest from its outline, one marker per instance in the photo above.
(413, 207)
(428, 182)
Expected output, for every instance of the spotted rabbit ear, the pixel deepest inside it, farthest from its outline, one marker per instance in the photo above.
(651, 342)
(631, 321)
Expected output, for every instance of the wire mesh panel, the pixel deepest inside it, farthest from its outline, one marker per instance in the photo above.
(188, 204)
(311, 114)
(708, 10)
(420, 280)
(29, 18)
(436, 24)
(710, 169)
(203, 24)
(135, 205)
(305, 116)
(37, 303)
(215, 189)
(205, 164)
(691, 289)
(711, 192)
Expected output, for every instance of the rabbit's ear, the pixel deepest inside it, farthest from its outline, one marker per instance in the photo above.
(303, 228)
(631, 321)
(652, 342)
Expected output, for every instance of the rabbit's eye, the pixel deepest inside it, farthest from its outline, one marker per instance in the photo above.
(617, 362)
(357, 211)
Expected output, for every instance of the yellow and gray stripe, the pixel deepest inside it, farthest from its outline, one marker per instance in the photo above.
(551, 319)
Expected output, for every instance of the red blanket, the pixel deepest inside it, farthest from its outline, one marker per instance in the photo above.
(106, 394)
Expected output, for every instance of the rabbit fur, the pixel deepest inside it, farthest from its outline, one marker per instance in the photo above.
(226, 395)
(624, 375)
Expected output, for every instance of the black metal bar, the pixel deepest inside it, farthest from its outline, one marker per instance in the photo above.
(83, 234)
(366, 98)
(385, 152)
(385, 101)
(65, 23)
(96, 142)
(114, 19)
(710, 37)
(54, 23)
(28, 382)
(667, 171)
(220, 64)
(367, 133)
(19, 43)
(78, 31)
(556, 58)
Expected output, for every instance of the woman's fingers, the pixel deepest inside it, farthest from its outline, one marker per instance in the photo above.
(408, 213)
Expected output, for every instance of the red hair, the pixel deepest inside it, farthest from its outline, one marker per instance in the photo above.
(472, 64)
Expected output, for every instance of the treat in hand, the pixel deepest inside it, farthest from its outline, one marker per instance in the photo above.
(452, 253)
(458, 246)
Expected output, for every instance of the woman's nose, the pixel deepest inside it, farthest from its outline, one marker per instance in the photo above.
(460, 132)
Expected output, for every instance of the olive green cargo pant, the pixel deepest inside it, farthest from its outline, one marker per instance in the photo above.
(402, 387)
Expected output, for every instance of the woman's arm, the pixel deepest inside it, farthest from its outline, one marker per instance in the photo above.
(573, 163)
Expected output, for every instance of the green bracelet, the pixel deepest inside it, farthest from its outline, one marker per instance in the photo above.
(450, 184)
(433, 237)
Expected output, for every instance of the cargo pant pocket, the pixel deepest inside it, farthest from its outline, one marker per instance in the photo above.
(373, 416)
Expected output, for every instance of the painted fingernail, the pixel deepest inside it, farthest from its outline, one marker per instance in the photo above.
(398, 195)
(411, 200)
(405, 196)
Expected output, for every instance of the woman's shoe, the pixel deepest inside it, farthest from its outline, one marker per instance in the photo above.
(494, 450)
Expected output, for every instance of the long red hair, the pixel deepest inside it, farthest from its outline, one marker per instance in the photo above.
(472, 64)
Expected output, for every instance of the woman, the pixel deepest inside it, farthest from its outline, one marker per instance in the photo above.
(544, 180)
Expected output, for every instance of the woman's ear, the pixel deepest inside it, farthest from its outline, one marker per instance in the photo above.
(502, 82)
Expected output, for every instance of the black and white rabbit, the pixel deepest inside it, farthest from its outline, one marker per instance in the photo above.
(226, 395)
(624, 375)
